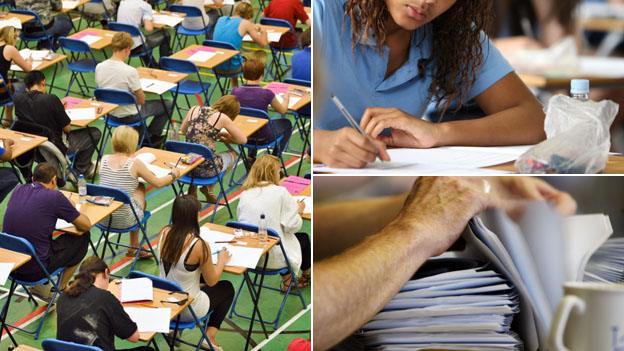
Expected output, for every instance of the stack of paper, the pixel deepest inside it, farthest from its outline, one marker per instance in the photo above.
(607, 263)
(463, 309)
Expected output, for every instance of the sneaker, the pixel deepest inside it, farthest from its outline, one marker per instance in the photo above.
(42, 292)
(206, 346)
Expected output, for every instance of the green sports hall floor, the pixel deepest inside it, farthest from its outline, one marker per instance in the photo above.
(159, 201)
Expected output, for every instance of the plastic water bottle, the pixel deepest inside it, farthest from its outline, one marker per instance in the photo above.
(262, 230)
(579, 89)
(82, 189)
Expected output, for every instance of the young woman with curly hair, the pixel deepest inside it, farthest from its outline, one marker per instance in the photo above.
(388, 59)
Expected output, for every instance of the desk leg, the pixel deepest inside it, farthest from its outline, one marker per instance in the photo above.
(5, 311)
(173, 108)
(255, 297)
(53, 77)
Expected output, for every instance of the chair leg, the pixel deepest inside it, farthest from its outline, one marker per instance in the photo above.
(233, 308)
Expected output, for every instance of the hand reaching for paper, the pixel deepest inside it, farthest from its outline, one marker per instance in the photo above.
(406, 130)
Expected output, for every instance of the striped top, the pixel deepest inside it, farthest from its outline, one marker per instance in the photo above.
(121, 179)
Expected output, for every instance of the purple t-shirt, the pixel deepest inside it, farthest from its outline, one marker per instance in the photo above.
(254, 96)
(31, 214)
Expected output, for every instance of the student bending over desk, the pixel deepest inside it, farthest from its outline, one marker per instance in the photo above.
(291, 11)
(203, 125)
(58, 26)
(186, 259)
(89, 314)
(388, 60)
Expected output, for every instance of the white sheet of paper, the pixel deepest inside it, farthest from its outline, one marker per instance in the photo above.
(242, 256)
(156, 86)
(211, 236)
(138, 289)
(13, 22)
(90, 39)
(5, 270)
(292, 101)
(225, 2)
(274, 36)
(202, 56)
(77, 114)
(67, 4)
(150, 319)
(62, 224)
(307, 201)
(158, 171)
(167, 20)
(146, 157)
(35, 65)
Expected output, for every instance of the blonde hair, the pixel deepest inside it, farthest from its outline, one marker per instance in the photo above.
(125, 140)
(245, 10)
(229, 105)
(121, 41)
(8, 35)
(264, 170)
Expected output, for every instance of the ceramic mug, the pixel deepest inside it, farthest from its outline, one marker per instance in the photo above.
(590, 317)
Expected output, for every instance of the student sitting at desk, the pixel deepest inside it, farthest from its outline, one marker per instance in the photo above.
(203, 125)
(291, 11)
(58, 25)
(302, 60)
(122, 171)
(31, 214)
(139, 13)
(252, 95)
(8, 55)
(97, 11)
(232, 30)
(8, 179)
(186, 259)
(388, 60)
(262, 194)
(88, 314)
(209, 18)
(114, 73)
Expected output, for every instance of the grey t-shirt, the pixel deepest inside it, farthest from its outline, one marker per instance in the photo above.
(115, 74)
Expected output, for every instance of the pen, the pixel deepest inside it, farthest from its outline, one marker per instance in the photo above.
(225, 242)
(349, 118)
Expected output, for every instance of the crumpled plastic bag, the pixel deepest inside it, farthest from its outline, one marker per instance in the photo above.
(577, 138)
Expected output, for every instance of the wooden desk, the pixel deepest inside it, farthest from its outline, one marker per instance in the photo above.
(603, 24)
(107, 37)
(615, 165)
(43, 65)
(221, 56)
(72, 7)
(159, 295)
(101, 109)
(159, 74)
(167, 159)
(26, 348)
(18, 259)
(545, 82)
(249, 125)
(95, 213)
(277, 30)
(22, 142)
(157, 24)
(22, 18)
(279, 88)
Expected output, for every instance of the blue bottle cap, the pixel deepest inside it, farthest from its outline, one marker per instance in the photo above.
(579, 86)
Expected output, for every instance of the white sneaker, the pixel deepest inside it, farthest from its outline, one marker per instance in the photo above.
(206, 346)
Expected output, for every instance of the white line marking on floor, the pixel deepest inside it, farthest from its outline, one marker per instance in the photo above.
(281, 329)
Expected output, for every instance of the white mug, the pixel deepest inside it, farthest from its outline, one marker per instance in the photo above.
(590, 317)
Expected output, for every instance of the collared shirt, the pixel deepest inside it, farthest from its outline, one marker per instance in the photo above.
(115, 74)
(134, 12)
(357, 77)
(42, 7)
(302, 64)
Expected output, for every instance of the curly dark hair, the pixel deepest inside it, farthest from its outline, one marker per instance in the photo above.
(456, 43)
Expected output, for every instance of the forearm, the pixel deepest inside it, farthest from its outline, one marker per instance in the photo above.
(320, 138)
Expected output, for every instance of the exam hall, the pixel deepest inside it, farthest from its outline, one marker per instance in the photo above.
(155, 188)
(477, 87)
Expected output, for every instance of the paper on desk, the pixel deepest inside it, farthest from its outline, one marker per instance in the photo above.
(146, 157)
(90, 39)
(202, 56)
(13, 22)
(167, 20)
(271, 36)
(35, 65)
(292, 101)
(307, 201)
(67, 4)
(150, 320)
(62, 224)
(159, 172)
(211, 236)
(137, 289)
(225, 2)
(77, 114)
(5, 270)
(156, 86)
(242, 256)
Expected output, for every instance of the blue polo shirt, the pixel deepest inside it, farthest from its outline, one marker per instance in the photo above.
(301, 63)
(356, 77)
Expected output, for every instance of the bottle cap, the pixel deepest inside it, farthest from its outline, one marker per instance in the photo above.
(579, 86)
(262, 216)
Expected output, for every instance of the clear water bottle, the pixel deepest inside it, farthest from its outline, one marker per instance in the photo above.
(262, 229)
(579, 89)
(82, 189)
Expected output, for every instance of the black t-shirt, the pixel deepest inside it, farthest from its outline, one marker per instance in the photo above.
(93, 318)
(44, 110)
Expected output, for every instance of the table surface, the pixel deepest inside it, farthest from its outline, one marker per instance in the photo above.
(94, 212)
(160, 74)
(22, 18)
(44, 63)
(249, 125)
(107, 37)
(23, 142)
(252, 242)
(306, 98)
(603, 24)
(615, 165)
(159, 295)
(221, 56)
(101, 109)
(167, 13)
(168, 159)
(542, 81)
(8, 256)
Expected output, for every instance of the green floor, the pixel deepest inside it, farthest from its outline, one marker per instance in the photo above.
(232, 335)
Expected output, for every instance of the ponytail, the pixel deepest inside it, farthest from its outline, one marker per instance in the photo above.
(89, 268)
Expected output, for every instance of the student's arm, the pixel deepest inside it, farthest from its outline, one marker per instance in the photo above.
(346, 148)
(210, 272)
(148, 24)
(7, 155)
(256, 33)
(148, 14)
(140, 170)
(281, 107)
(514, 117)
(14, 55)
(82, 223)
(235, 135)
(291, 219)
(123, 326)
(140, 96)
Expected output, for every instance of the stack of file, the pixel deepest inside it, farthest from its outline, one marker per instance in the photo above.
(468, 309)
(607, 263)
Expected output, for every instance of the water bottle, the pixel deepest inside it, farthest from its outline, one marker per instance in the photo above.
(82, 189)
(579, 89)
(262, 230)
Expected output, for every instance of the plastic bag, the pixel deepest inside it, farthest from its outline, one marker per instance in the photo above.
(577, 138)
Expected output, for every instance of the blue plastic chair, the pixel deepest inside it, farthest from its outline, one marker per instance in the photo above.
(38, 36)
(106, 229)
(279, 65)
(6, 99)
(191, 179)
(303, 117)
(220, 75)
(202, 322)
(271, 144)
(81, 60)
(188, 86)
(134, 32)
(59, 345)
(287, 269)
(21, 245)
(181, 31)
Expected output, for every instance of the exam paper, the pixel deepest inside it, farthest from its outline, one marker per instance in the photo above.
(90, 39)
(150, 320)
(159, 172)
(62, 224)
(271, 36)
(77, 114)
(211, 236)
(138, 289)
(242, 256)
(156, 86)
(13, 22)
(5, 270)
(67, 4)
(146, 157)
(167, 20)
(202, 56)
(292, 101)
